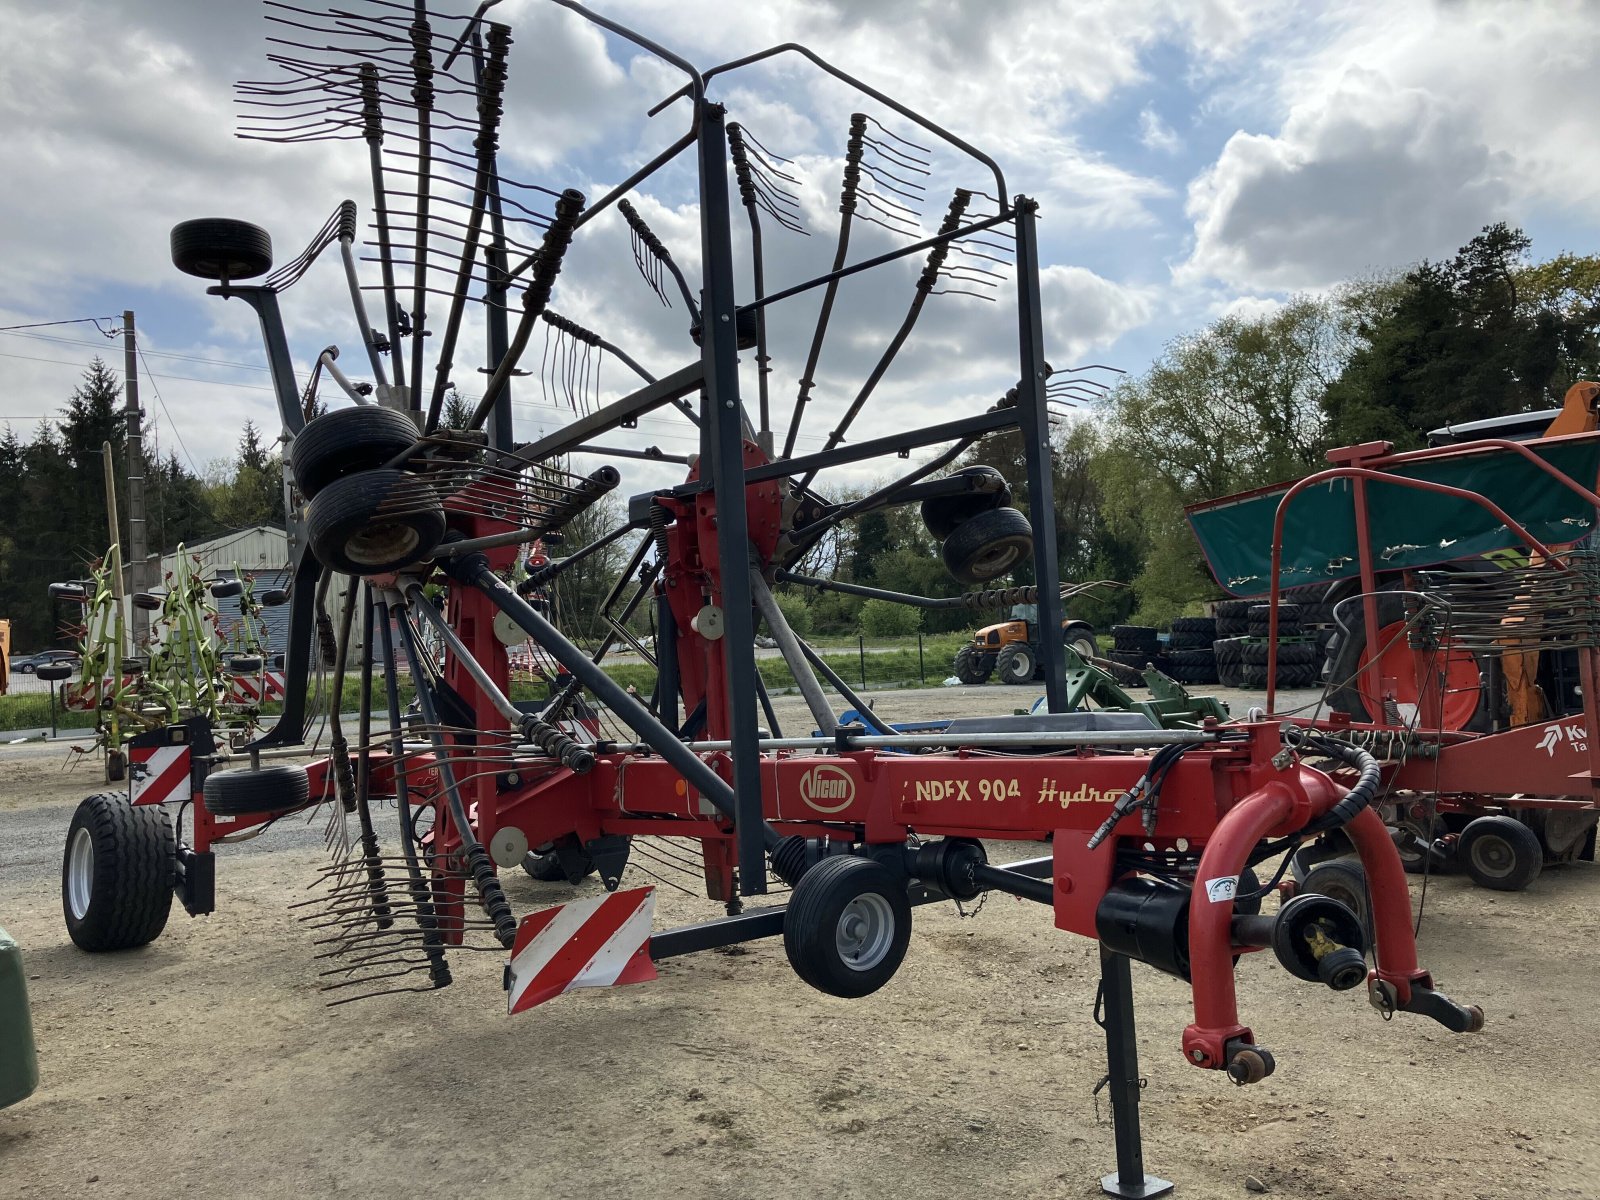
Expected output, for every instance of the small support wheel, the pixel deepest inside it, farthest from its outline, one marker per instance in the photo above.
(1015, 663)
(375, 522)
(1250, 1064)
(116, 873)
(347, 441)
(1344, 880)
(942, 514)
(988, 545)
(847, 926)
(116, 766)
(276, 787)
(221, 248)
(1501, 853)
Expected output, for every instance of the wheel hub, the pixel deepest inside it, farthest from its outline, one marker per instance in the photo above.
(865, 932)
(80, 873)
(1492, 856)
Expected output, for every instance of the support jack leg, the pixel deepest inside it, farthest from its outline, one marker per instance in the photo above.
(1115, 1015)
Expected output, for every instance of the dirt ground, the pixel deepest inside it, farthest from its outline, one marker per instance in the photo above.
(207, 1063)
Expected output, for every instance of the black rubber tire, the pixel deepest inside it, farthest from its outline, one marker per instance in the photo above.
(347, 441)
(941, 515)
(375, 522)
(969, 666)
(812, 919)
(55, 672)
(221, 248)
(1233, 609)
(1260, 620)
(1016, 663)
(988, 545)
(276, 787)
(1083, 641)
(1142, 639)
(1230, 661)
(1204, 627)
(1193, 666)
(1345, 880)
(129, 875)
(244, 664)
(1233, 627)
(1136, 659)
(116, 766)
(1500, 853)
(1188, 641)
(1302, 676)
(1290, 654)
(1250, 677)
(225, 589)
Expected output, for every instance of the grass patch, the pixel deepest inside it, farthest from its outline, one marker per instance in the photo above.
(896, 667)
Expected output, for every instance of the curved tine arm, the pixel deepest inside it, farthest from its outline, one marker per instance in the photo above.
(822, 64)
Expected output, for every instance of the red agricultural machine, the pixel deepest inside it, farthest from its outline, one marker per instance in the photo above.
(1471, 562)
(416, 531)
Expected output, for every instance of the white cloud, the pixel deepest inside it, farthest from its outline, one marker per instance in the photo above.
(1405, 129)
(1156, 134)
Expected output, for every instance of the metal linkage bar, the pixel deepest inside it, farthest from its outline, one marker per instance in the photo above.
(475, 570)
(768, 922)
(1033, 419)
(647, 399)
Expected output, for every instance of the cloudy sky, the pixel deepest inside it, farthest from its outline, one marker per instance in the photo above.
(1190, 157)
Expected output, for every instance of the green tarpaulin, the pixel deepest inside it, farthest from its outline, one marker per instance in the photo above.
(1409, 527)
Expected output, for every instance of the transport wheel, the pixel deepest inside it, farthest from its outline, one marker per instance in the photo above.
(276, 787)
(847, 925)
(986, 546)
(220, 248)
(1407, 834)
(116, 766)
(546, 868)
(1015, 663)
(1501, 853)
(941, 514)
(374, 522)
(244, 664)
(347, 441)
(970, 666)
(1344, 880)
(116, 873)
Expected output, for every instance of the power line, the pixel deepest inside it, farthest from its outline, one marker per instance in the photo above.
(254, 387)
(95, 321)
(211, 362)
(175, 431)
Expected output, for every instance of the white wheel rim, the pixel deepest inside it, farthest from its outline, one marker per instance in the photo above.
(865, 932)
(80, 873)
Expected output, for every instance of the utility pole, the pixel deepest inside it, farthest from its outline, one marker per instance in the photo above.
(136, 581)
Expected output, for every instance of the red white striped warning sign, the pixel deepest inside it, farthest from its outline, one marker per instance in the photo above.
(158, 774)
(601, 942)
(248, 689)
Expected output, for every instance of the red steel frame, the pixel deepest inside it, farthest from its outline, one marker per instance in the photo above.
(1467, 765)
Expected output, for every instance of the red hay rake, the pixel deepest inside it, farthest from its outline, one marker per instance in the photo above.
(423, 531)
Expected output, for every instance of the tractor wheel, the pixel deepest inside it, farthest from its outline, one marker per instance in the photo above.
(375, 522)
(1230, 660)
(219, 248)
(846, 926)
(986, 546)
(1082, 641)
(1136, 639)
(1016, 663)
(942, 514)
(1290, 654)
(347, 441)
(277, 787)
(116, 874)
(970, 666)
(1194, 666)
(1344, 880)
(1233, 618)
(1501, 853)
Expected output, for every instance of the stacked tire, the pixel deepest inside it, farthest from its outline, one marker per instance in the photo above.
(1191, 656)
(1136, 646)
(1244, 638)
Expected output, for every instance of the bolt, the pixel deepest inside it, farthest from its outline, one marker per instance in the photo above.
(1197, 1055)
(725, 316)
(513, 778)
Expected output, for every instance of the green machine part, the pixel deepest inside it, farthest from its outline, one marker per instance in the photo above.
(19, 1062)
(1170, 705)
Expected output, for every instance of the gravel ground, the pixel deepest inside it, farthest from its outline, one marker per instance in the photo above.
(208, 1063)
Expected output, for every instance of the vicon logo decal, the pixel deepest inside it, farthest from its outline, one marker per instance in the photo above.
(827, 789)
